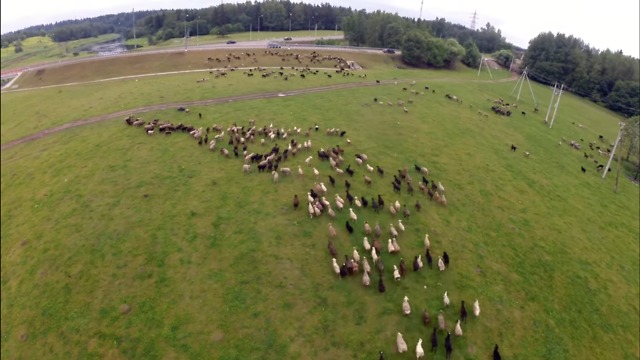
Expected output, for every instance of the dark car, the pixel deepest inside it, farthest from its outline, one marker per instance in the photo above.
(231, 42)
(288, 38)
(389, 51)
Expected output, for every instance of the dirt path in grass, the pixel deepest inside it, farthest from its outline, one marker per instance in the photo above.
(124, 113)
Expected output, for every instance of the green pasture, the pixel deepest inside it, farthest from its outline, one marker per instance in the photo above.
(47, 105)
(215, 263)
(39, 49)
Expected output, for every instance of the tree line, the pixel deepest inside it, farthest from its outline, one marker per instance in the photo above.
(606, 77)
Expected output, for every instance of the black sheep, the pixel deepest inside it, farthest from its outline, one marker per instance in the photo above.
(447, 345)
(380, 265)
(349, 227)
(380, 201)
(349, 265)
(416, 167)
(349, 198)
(418, 206)
(445, 257)
(513, 147)
(583, 169)
(374, 205)
(296, 202)
(381, 287)
(416, 265)
(365, 203)
(496, 353)
(332, 180)
(343, 270)
(427, 255)
(347, 184)
(380, 170)
(332, 249)
(403, 268)
(463, 312)
(434, 340)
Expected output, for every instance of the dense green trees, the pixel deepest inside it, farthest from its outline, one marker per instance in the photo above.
(607, 77)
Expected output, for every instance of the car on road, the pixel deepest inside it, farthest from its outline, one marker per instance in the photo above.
(231, 42)
(288, 38)
(274, 45)
(389, 51)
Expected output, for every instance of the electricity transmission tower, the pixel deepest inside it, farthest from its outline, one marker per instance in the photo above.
(474, 20)
(421, 5)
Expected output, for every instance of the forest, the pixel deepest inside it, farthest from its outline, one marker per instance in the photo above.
(605, 77)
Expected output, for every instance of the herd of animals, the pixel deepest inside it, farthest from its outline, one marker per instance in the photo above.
(268, 157)
(259, 148)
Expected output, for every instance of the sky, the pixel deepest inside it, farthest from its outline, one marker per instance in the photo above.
(613, 24)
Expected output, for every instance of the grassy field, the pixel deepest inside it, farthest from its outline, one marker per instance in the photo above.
(41, 49)
(215, 263)
(47, 105)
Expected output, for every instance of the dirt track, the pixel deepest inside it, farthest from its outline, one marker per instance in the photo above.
(124, 113)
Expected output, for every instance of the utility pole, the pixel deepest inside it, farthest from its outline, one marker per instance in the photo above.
(553, 94)
(185, 32)
(421, 5)
(474, 20)
(555, 110)
(133, 11)
(615, 146)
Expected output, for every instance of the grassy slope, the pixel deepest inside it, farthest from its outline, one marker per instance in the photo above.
(213, 253)
(48, 107)
(40, 49)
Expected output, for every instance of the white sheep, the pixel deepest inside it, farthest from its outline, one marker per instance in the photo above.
(308, 160)
(424, 171)
(353, 215)
(406, 308)
(369, 168)
(275, 177)
(149, 132)
(427, 243)
(317, 210)
(392, 229)
(445, 299)
(246, 168)
(476, 308)
(365, 278)
(367, 229)
(419, 260)
(325, 202)
(396, 273)
(310, 198)
(316, 172)
(405, 109)
(397, 205)
(324, 188)
(338, 198)
(440, 263)
(331, 213)
(339, 204)
(402, 346)
(396, 247)
(358, 161)
(419, 350)
(441, 322)
(357, 202)
(374, 255)
(300, 172)
(332, 230)
(458, 329)
(312, 210)
(390, 247)
(400, 225)
(336, 268)
(365, 244)
(392, 210)
(285, 171)
(365, 264)
(356, 256)
(339, 171)
(440, 187)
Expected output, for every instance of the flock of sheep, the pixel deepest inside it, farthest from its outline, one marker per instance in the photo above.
(258, 147)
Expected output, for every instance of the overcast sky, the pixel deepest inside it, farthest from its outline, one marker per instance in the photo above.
(612, 24)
